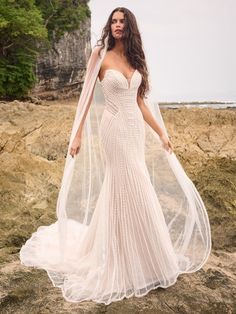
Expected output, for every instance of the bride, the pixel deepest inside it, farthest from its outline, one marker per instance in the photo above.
(129, 219)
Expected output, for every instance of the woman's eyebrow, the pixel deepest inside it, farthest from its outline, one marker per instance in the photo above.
(118, 19)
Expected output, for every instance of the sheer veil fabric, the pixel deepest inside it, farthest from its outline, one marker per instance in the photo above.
(58, 248)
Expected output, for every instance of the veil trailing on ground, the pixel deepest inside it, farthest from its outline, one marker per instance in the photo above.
(182, 206)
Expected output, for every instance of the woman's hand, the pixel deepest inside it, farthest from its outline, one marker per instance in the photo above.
(75, 146)
(167, 145)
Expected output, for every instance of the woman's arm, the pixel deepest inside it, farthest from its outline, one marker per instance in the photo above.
(93, 59)
(76, 143)
(80, 129)
(148, 117)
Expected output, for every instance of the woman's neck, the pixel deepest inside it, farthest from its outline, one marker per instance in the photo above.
(119, 48)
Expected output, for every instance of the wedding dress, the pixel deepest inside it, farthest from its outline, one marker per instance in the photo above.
(137, 237)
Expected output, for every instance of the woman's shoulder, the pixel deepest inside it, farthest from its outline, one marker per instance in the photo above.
(96, 50)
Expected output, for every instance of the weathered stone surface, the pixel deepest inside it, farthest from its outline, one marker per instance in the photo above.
(33, 144)
(60, 70)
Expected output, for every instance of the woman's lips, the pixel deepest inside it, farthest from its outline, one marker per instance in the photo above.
(118, 31)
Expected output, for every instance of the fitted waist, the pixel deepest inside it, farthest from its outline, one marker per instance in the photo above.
(133, 107)
(126, 112)
(121, 104)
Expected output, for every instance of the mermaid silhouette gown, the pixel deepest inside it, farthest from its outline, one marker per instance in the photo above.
(127, 249)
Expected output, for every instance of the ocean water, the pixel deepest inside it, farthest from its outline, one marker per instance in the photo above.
(207, 104)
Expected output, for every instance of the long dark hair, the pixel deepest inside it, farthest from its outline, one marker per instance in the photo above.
(132, 45)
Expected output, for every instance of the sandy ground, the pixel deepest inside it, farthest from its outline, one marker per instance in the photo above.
(33, 143)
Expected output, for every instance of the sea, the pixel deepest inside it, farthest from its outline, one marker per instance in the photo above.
(199, 104)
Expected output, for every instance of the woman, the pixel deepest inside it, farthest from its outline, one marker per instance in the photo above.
(140, 223)
(116, 59)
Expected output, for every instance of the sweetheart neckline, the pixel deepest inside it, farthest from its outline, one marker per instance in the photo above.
(128, 81)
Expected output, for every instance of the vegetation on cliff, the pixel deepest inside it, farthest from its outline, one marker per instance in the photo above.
(24, 26)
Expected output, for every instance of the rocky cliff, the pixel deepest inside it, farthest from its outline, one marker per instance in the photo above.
(60, 70)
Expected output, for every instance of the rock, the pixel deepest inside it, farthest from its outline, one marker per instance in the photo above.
(60, 70)
(33, 144)
(207, 291)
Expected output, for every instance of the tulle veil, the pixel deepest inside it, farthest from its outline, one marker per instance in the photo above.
(182, 205)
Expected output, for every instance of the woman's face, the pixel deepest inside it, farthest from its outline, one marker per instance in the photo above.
(117, 24)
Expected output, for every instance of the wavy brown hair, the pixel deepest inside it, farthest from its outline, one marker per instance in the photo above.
(132, 45)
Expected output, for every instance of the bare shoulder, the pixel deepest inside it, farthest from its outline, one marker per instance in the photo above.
(108, 59)
(95, 52)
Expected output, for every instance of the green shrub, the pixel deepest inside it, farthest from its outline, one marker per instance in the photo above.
(25, 26)
(21, 27)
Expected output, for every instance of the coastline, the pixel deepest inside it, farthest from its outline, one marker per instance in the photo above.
(199, 104)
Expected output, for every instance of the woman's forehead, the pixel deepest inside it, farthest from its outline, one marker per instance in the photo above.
(118, 15)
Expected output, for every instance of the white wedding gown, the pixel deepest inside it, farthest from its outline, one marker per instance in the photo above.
(126, 249)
